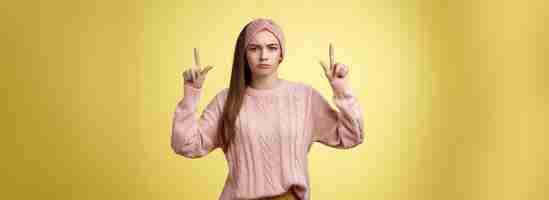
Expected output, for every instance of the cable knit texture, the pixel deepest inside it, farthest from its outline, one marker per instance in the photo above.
(274, 133)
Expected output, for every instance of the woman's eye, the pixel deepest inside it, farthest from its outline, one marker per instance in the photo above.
(273, 48)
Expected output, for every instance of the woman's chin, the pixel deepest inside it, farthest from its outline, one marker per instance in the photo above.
(263, 71)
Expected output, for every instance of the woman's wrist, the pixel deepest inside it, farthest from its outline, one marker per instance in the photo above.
(190, 90)
(341, 88)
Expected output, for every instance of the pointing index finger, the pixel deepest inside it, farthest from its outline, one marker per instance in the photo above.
(196, 57)
(332, 60)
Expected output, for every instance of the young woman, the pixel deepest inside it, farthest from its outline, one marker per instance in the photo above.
(265, 125)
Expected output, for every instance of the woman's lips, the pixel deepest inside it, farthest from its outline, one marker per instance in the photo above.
(264, 66)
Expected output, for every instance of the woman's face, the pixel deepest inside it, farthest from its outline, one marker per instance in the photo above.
(263, 54)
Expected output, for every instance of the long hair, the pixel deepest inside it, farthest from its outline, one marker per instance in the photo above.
(241, 76)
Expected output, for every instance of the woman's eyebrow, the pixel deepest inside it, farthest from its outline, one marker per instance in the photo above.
(271, 44)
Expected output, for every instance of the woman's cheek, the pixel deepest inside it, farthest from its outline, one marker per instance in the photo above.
(251, 59)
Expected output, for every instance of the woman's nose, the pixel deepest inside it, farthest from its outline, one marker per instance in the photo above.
(263, 55)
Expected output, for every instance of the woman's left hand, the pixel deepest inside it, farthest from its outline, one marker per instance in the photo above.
(335, 71)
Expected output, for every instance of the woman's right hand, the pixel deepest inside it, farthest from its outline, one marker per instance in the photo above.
(195, 75)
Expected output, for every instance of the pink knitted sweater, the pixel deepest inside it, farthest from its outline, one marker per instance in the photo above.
(274, 132)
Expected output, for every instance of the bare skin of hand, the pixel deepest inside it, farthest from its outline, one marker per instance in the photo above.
(195, 75)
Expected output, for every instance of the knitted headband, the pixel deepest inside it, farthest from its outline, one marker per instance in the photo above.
(260, 24)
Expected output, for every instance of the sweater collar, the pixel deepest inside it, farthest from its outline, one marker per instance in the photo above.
(267, 92)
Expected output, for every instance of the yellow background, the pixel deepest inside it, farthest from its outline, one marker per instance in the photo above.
(455, 95)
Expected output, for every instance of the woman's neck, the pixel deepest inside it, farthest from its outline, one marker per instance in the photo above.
(265, 82)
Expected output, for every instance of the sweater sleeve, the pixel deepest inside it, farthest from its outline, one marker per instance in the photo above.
(192, 137)
(341, 129)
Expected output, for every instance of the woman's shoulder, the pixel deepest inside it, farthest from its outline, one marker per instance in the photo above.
(222, 94)
(307, 90)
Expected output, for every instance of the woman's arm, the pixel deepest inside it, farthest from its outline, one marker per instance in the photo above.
(192, 137)
(343, 129)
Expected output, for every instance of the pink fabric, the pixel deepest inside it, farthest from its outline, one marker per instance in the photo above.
(260, 24)
(274, 132)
